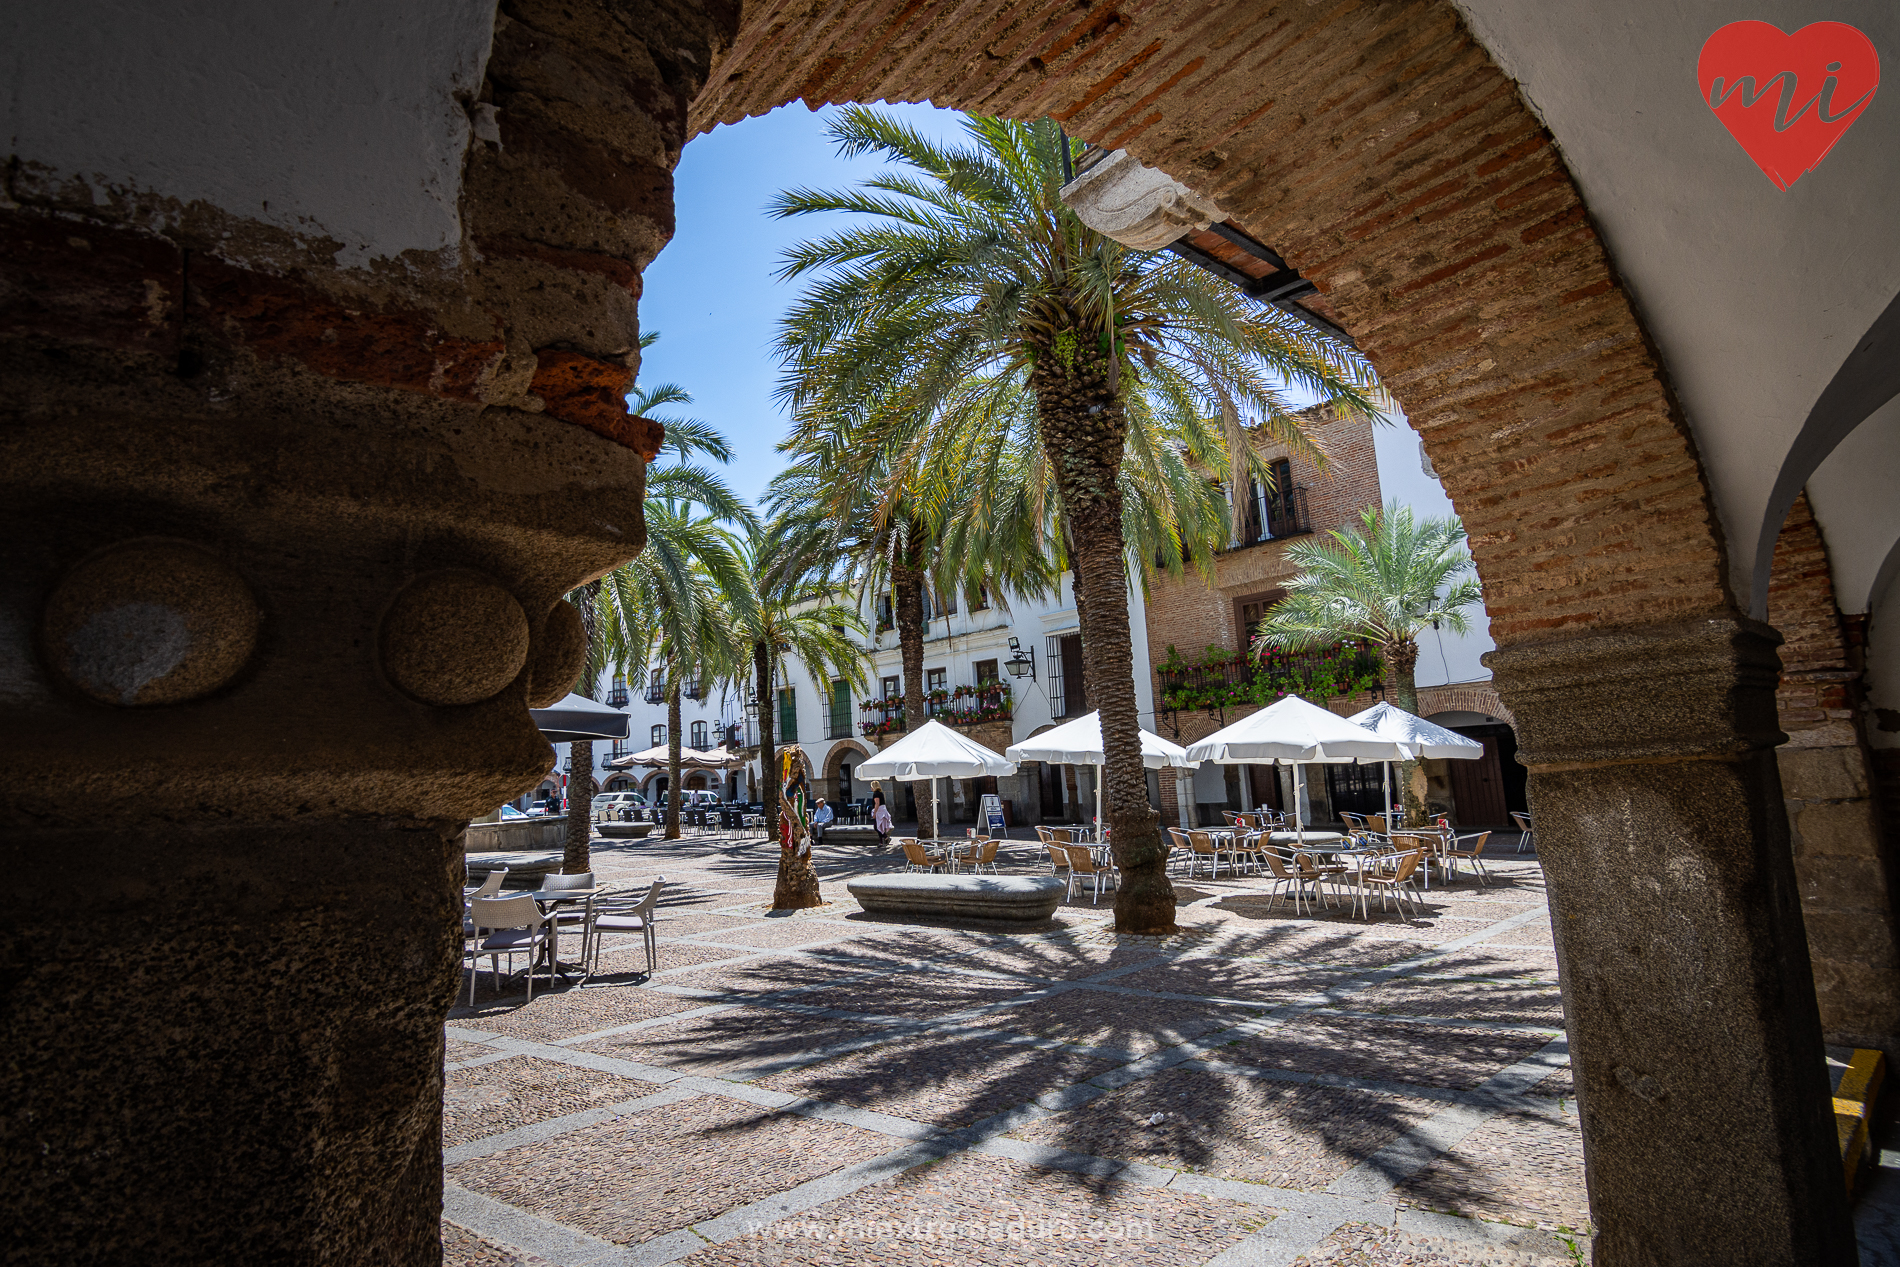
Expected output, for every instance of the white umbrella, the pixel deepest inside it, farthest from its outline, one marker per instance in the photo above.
(1294, 732)
(1424, 738)
(1079, 742)
(934, 751)
(690, 759)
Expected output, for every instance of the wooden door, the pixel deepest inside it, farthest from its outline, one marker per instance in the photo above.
(1477, 787)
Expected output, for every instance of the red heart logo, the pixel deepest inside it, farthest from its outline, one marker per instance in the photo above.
(1787, 98)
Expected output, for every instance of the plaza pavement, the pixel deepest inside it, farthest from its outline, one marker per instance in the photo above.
(833, 1087)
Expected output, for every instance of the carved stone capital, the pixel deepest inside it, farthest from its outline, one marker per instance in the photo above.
(1683, 691)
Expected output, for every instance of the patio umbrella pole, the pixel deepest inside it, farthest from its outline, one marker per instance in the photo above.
(1299, 809)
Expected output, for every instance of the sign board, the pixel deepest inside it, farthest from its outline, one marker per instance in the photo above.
(993, 815)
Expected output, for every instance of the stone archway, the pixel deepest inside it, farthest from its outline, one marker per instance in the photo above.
(160, 377)
(843, 752)
(1384, 155)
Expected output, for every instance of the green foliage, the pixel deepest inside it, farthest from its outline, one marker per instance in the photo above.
(922, 320)
(1228, 679)
(1382, 581)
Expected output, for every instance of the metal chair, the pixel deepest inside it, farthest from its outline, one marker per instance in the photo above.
(622, 915)
(1523, 822)
(1082, 864)
(1397, 881)
(508, 926)
(567, 916)
(1471, 855)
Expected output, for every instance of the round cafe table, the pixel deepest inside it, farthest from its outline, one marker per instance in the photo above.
(1306, 838)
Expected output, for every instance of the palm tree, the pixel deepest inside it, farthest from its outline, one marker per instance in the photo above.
(1384, 582)
(649, 605)
(976, 312)
(788, 617)
(672, 604)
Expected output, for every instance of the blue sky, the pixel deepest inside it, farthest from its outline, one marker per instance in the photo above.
(712, 294)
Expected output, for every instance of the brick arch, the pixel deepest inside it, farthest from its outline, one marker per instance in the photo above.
(839, 750)
(1470, 697)
(1383, 153)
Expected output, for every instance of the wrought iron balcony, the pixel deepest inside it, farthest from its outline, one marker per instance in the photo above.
(1271, 514)
(656, 691)
(617, 697)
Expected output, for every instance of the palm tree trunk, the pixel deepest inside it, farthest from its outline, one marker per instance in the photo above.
(796, 887)
(1401, 687)
(907, 594)
(576, 856)
(1083, 431)
(674, 792)
(768, 744)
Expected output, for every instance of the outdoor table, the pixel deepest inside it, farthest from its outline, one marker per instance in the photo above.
(554, 899)
(1358, 854)
(1305, 837)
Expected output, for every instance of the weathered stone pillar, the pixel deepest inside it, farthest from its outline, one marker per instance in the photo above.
(265, 656)
(282, 544)
(1708, 1136)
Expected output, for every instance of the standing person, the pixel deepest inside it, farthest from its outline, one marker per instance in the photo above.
(881, 819)
(820, 819)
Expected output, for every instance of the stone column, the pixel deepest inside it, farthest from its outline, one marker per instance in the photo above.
(1708, 1136)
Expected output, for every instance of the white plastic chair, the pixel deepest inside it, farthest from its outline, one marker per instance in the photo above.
(508, 926)
(623, 915)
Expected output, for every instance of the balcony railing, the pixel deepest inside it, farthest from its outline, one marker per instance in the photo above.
(1271, 514)
(1226, 679)
(878, 718)
(656, 691)
(693, 686)
(617, 697)
(979, 705)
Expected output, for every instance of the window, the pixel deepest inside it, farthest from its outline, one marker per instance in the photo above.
(986, 672)
(838, 722)
(933, 682)
(1250, 611)
(893, 688)
(947, 603)
(656, 686)
(699, 735)
(658, 736)
(884, 618)
(788, 714)
(980, 599)
(1068, 697)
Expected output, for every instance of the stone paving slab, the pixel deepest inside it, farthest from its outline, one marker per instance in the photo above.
(669, 954)
(456, 1050)
(925, 995)
(1423, 1055)
(1131, 1023)
(735, 1041)
(691, 923)
(666, 1168)
(947, 1080)
(564, 1012)
(1524, 1166)
(779, 933)
(1508, 1002)
(981, 1210)
(1538, 934)
(1218, 977)
(768, 974)
(1233, 1127)
(1371, 1245)
(518, 1091)
(1057, 960)
(463, 1248)
(1339, 945)
(1488, 960)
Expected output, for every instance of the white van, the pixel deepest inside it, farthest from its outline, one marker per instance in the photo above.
(609, 807)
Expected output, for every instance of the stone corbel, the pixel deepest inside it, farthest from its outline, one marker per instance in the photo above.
(1138, 206)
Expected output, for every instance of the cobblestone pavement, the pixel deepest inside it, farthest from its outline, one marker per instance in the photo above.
(833, 1087)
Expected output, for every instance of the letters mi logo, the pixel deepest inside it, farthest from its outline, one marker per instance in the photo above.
(1788, 98)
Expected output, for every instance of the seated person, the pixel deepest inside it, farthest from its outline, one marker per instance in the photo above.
(820, 819)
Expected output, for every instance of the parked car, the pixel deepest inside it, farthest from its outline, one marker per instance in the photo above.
(544, 808)
(613, 807)
(700, 798)
(509, 811)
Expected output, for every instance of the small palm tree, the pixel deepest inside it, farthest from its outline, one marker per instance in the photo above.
(786, 619)
(1384, 582)
(649, 605)
(973, 311)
